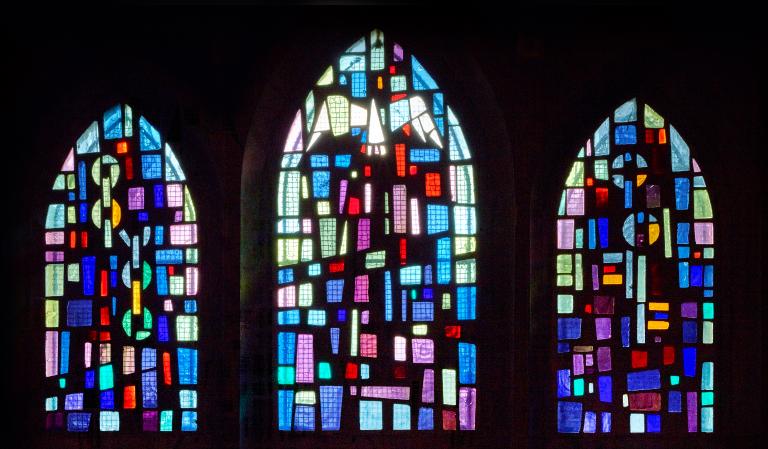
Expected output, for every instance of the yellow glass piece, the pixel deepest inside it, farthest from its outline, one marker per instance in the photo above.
(653, 232)
(613, 279)
(116, 214)
(641, 179)
(306, 397)
(380, 83)
(51, 313)
(658, 325)
(136, 287)
(659, 306)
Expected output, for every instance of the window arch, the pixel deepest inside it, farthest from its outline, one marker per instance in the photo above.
(375, 252)
(635, 283)
(121, 280)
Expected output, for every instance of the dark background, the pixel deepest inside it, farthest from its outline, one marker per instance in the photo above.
(529, 85)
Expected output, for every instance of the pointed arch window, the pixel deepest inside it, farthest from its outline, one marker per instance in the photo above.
(121, 281)
(635, 283)
(375, 268)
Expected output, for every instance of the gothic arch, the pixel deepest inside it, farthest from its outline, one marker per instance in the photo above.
(375, 242)
(635, 283)
(121, 280)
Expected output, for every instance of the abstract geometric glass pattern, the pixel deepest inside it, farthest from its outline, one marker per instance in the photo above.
(121, 280)
(634, 284)
(375, 251)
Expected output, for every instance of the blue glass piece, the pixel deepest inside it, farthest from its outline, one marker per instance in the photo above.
(151, 166)
(697, 275)
(88, 142)
(626, 112)
(424, 155)
(318, 161)
(605, 419)
(563, 383)
(82, 180)
(288, 317)
(602, 139)
(590, 422)
(285, 276)
(161, 282)
(467, 363)
(683, 230)
(159, 196)
(444, 259)
(410, 275)
(605, 388)
(466, 297)
(437, 104)
(334, 289)
(342, 160)
(330, 406)
(284, 409)
(371, 415)
(107, 399)
(335, 332)
(78, 422)
(625, 331)
(89, 275)
(188, 421)
(64, 361)
(437, 221)
(359, 85)
(568, 328)
(113, 123)
(681, 155)
(653, 423)
(187, 366)
(627, 194)
(79, 312)
(321, 184)
(644, 380)
(423, 311)
(568, 417)
(709, 276)
(602, 226)
(675, 402)
(625, 135)
(388, 296)
(426, 418)
(304, 420)
(162, 328)
(682, 271)
(689, 361)
(682, 193)
(169, 256)
(149, 389)
(422, 80)
(149, 136)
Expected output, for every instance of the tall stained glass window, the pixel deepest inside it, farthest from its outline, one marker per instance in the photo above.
(121, 281)
(635, 283)
(375, 271)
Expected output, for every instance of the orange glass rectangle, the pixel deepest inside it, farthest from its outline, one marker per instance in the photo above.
(129, 397)
(432, 181)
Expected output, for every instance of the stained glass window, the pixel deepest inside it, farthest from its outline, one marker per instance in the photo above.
(121, 281)
(635, 283)
(375, 271)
